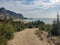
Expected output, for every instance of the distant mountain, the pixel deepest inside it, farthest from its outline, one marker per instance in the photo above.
(7, 13)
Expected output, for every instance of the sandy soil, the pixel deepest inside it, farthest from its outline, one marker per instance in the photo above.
(27, 37)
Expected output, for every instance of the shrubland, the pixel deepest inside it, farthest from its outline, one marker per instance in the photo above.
(8, 28)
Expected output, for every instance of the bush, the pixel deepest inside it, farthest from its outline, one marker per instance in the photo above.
(35, 24)
(9, 31)
(6, 32)
(3, 40)
(19, 26)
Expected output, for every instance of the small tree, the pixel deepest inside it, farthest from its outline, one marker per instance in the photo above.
(54, 30)
(55, 27)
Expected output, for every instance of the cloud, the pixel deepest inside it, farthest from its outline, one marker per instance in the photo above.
(44, 4)
(26, 5)
(34, 4)
(31, 7)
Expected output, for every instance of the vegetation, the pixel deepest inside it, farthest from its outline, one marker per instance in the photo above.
(35, 24)
(7, 29)
(52, 29)
(55, 31)
(40, 34)
(39, 24)
(18, 25)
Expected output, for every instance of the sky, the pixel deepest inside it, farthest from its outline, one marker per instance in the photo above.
(33, 8)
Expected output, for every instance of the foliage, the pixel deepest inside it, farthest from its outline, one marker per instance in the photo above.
(39, 24)
(6, 31)
(55, 31)
(9, 30)
(35, 24)
(19, 26)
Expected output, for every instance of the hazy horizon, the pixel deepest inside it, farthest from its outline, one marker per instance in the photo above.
(33, 8)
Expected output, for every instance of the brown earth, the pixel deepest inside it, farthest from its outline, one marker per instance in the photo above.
(27, 37)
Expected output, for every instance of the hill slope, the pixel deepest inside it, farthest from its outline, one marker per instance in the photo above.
(27, 37)
(8, 13)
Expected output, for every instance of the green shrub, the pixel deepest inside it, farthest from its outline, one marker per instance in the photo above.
(19, 26)
(9, 30)
(35, 24)
(3, 40)
(6, 32)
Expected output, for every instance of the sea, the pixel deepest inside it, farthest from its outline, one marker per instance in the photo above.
(45, 20)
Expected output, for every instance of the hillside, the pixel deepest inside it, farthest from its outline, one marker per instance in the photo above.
(8, 13)
(28, 37)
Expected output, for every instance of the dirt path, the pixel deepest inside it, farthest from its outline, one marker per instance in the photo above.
(26, 37)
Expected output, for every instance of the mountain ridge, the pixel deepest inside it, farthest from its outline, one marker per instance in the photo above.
(8, 13)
